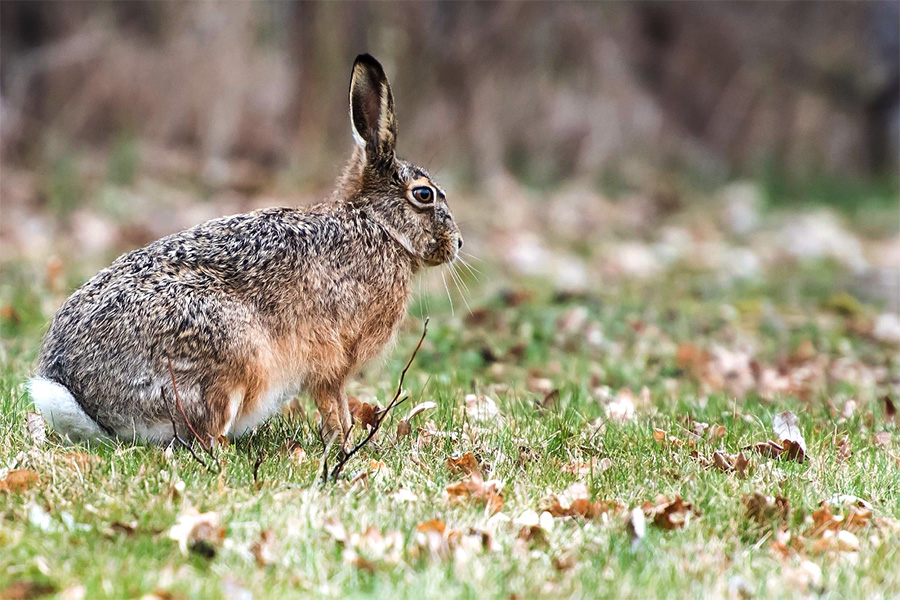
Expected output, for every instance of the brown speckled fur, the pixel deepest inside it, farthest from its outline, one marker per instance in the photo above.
(252, 307)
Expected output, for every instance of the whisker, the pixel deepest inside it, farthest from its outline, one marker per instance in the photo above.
(472, 270)
(456, 278)
(472, 256)
(444, 279)
(426, 310)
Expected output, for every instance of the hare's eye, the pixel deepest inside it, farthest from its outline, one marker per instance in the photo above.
(423, 194)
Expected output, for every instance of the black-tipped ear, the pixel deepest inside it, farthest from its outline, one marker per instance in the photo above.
(372, 109)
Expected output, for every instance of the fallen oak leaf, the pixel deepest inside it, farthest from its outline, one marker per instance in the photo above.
(549, 401)
(263, 549)
(433, 525)
(534, 527)
(841, 541)
(843, 449)
(475, 487)
(717, 432)
(403, 427)
(787, 450)
(481, 408)
(19, 480)
(296, 451)
(197, 532)
(593, 466)
(37, 428)
(366, 414)
(669, 514)
(81, 461)
(637, 526)
(466, 464)
(662, 437)
(787, 427)
(568, 504)
(763, 509)
(25, 589)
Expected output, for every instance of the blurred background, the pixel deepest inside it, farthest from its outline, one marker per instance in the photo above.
(581, 143)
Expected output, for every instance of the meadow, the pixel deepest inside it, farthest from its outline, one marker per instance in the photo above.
(617, 442)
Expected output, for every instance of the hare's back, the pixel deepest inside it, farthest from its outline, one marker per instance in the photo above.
(112, 341)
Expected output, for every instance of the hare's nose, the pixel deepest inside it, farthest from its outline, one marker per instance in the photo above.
(459, 243)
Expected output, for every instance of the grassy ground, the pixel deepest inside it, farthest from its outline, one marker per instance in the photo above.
(97, 522)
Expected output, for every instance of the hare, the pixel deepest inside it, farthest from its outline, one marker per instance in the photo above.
(250, 309)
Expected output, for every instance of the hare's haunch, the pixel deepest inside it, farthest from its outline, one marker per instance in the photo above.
(251, 308)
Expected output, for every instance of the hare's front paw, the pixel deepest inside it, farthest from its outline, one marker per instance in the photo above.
(334, 431)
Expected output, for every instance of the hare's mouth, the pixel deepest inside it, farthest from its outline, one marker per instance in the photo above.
(434, 261)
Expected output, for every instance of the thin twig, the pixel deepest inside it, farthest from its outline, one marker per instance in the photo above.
(381, 415)
(206, 448)
(180, 407)
(177, 438)
(260, 457)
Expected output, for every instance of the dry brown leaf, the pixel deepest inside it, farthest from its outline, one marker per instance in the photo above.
(403, 427)
(476, 488)
(787, 427)
(18, 481)
(296, 451)
(549, 401)
(263, 549)
(592, 467)
(781, 544)
(662, 437)
(765, 509)
(481, 408)
(434, 525)
(197, 532)
(37, 428)
(81, 461)
(637, 526)
(729, 463)
(669, 514)
(890, 411)
(691, 359)
(465, 464)
(854, 514)
(365, 414)
(534, 527)
(717, 432)
(843, 450)
(840, 541)
(883, 439)
(786, 450)
(25, 589)
(572, 503)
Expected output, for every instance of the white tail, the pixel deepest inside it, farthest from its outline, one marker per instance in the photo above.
(59, 407)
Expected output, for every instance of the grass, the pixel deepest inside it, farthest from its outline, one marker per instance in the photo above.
(101, 520)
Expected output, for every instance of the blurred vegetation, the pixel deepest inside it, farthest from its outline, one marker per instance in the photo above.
(544, 91)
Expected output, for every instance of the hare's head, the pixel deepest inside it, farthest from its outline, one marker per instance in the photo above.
(400, 196)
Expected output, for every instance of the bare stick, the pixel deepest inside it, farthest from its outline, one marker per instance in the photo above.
(180, 407)
(381, 415)
(177, 438)
(260, 457)
(206, 448)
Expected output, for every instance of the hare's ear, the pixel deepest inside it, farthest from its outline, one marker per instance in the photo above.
(372, 110)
